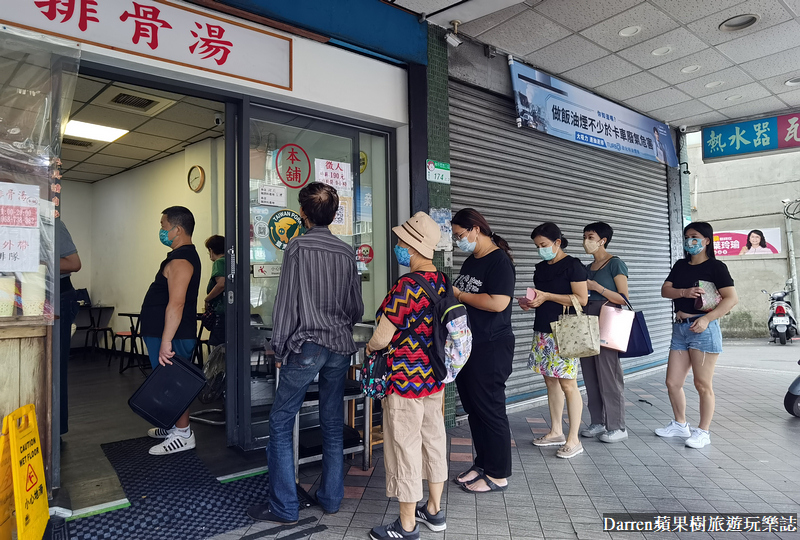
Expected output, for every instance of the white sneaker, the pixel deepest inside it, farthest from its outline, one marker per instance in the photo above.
(158, 433)
(699, 438)
(615, 435)
(674, 429)
(173, 444)
(593, 431)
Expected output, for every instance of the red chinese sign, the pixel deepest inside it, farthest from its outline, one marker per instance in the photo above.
(787, 131)
(293, 165)
(365, 254)
(163, 31)
(19, 205)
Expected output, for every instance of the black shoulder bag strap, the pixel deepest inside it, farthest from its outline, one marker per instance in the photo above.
(429, 291)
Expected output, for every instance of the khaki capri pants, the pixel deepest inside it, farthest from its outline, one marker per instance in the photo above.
(414, 444)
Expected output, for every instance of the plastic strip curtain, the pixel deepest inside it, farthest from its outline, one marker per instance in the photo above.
(37, 83)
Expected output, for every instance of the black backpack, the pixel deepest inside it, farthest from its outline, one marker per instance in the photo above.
(451, 341)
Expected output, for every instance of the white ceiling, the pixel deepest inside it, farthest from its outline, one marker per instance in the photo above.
(579, 41)
(187, 121)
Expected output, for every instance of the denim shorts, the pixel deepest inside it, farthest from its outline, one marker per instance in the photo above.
(683, 338)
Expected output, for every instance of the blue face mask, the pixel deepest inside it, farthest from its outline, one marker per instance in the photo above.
(693, 245)
(547, 253)
(164, 237)
(465, 245)
(403, 256)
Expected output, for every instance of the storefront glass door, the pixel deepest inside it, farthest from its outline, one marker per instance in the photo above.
(287, 151)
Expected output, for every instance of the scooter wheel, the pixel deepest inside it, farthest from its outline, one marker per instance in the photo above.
(782, 338)
(792, 404)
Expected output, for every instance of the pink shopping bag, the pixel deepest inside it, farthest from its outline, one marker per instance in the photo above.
(615, 327)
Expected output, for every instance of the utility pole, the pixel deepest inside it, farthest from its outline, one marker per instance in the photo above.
(788, 215)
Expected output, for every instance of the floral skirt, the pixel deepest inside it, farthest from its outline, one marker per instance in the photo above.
(544, 358)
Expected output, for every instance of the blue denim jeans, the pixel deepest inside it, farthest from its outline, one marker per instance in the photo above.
(69, 310)
(297, 373)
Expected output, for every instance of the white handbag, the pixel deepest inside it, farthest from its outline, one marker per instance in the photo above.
(615, 327)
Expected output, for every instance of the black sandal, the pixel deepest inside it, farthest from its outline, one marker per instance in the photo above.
(474, 468)
(491, 485)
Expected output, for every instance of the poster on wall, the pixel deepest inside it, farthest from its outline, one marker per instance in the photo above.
(551, 106)
(752, 242)
(342, 224)
(336, 174)
(443, 217)
(19, 227)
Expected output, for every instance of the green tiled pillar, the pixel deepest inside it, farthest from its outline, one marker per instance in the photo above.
(439, 150)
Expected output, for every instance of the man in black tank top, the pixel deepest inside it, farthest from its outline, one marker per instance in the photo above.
(169, 314)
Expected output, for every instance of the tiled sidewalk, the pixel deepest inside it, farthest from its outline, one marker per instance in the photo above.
(753, 465)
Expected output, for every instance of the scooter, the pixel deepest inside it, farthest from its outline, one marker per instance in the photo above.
(792, 400)
(781, 320)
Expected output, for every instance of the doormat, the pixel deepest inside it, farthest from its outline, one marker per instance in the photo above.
(173, 497)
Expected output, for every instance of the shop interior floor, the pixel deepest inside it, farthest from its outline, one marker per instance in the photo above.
(99, 414)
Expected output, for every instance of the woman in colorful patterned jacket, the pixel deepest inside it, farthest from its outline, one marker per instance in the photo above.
(414, 439)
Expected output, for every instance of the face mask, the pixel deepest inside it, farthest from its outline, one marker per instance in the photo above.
(403, 256)
(591, 246)
(547, 253)
(693, 245)
(164, 237)
(465, 245)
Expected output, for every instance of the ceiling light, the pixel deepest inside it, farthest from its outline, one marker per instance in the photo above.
(739, 22)
(662, 51)
(94, 132)
(737, 97)
(714, 84)
(690, 69)
(794, 81)
(630, 31)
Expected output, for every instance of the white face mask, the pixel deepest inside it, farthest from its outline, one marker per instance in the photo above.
(591, 246)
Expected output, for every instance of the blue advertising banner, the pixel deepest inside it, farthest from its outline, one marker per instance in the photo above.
(551, 106)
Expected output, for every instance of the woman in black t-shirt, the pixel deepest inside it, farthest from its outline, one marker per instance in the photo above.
(557, 278)
(486, 285)
(696, 337)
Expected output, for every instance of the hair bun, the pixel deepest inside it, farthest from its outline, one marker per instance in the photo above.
(564, 242)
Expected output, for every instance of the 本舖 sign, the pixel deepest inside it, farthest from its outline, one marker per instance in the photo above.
(551, 106)
(20, 440)
(752, 136)
(162, 30)
(754, 242)
(293, 165)
(19, 227)
(436, 171)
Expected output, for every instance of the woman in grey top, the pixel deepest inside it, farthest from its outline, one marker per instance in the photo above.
(602, 374)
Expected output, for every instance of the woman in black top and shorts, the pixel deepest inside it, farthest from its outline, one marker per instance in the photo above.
(696, 337)
(486, 285)
(557, 278)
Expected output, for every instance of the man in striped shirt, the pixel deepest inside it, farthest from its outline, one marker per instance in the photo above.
(317, 305)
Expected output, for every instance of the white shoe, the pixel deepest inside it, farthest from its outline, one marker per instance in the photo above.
(159, 433)
(593, 431)
(615, 435)
(173, 444)
(699, 439)
(674, 429)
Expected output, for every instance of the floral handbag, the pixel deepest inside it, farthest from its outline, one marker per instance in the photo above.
(577, 336)
(710, 299)
(375, 374)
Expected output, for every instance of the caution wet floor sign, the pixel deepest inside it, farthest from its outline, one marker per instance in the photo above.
(20, 442)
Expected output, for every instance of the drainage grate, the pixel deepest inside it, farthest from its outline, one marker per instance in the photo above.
(134, 102)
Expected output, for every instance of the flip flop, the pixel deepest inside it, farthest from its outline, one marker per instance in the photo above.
(474, 468)
(491, 485)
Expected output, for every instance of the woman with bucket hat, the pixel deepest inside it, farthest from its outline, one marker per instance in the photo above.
(414, 439)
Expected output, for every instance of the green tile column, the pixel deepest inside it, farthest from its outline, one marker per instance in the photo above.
(439, 150)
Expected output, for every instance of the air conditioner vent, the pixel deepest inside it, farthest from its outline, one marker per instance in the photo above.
(135, 102)
(76, 142)
(132, 101)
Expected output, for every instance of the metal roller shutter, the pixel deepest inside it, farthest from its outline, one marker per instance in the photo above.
(518, 178)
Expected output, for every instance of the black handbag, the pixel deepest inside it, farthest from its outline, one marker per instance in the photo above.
(639, 343)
